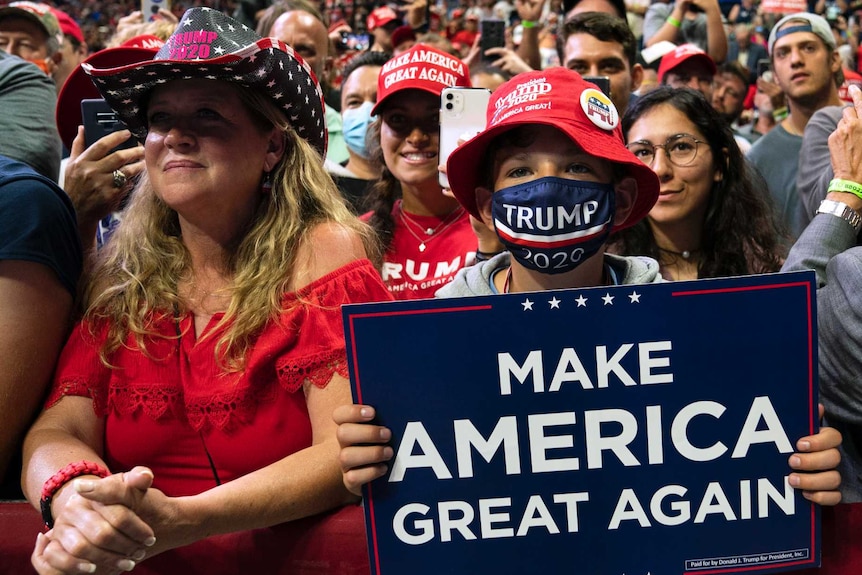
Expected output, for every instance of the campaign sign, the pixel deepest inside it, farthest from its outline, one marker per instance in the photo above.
(784, 6)
(629, 430)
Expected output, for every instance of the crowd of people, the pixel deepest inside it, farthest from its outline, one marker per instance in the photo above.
(180, 279)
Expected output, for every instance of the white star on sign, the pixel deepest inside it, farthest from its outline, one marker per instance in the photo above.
(270, 84)
(608, 299)
(231, 27)
(582, 301)
(555, 303)
(528, 305)
(635, 297)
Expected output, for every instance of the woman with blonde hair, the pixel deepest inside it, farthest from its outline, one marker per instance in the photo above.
(190, 417)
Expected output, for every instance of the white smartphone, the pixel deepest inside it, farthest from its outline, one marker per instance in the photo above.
(462, 116)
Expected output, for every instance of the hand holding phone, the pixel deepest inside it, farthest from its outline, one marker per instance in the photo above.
(462, 114)
(150, 8)
(763, 65)
(99, 121)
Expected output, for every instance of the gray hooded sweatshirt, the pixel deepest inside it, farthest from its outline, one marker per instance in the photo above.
(476, 280)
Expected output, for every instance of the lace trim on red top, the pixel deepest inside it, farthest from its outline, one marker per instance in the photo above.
(293, 374)
(305, 346)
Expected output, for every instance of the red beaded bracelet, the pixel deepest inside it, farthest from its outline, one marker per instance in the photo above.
(62, 477)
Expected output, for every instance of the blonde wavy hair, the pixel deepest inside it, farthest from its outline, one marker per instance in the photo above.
(134, 281)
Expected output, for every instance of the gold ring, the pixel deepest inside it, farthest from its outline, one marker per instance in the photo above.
(119, 179)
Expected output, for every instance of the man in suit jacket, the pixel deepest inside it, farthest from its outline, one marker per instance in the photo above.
(740, 43)
(829, 246)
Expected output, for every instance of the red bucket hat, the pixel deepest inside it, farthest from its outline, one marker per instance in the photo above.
(560, 98)
(421, 67)
(208, 44)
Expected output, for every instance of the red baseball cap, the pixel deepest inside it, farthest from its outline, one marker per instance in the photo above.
(145, 41)
(381, 17)
(68, 25)
(422, 67)
(560, 98)
(680, 54)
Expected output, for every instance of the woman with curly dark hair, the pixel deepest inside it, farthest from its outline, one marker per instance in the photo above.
(712, 217)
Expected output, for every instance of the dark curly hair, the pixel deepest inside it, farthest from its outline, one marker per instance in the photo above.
(740, 234)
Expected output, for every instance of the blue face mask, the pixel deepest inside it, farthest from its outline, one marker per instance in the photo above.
(354, 125)
(551, 225)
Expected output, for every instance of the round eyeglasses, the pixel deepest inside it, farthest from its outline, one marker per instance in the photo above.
(680, 149)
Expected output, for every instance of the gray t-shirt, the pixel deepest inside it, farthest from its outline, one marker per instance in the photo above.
(776, 157)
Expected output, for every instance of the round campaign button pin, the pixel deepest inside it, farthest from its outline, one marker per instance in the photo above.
(599, 109)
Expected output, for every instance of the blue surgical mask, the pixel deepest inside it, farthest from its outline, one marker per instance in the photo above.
(354, 125)
(551, 224)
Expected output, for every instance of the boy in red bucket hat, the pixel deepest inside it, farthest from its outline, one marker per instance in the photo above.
(551, 175)
(553, 179)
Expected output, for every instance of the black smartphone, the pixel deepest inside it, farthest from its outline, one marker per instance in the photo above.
(603, 82)
(99, 121)
(493, 35)
(763, 66)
